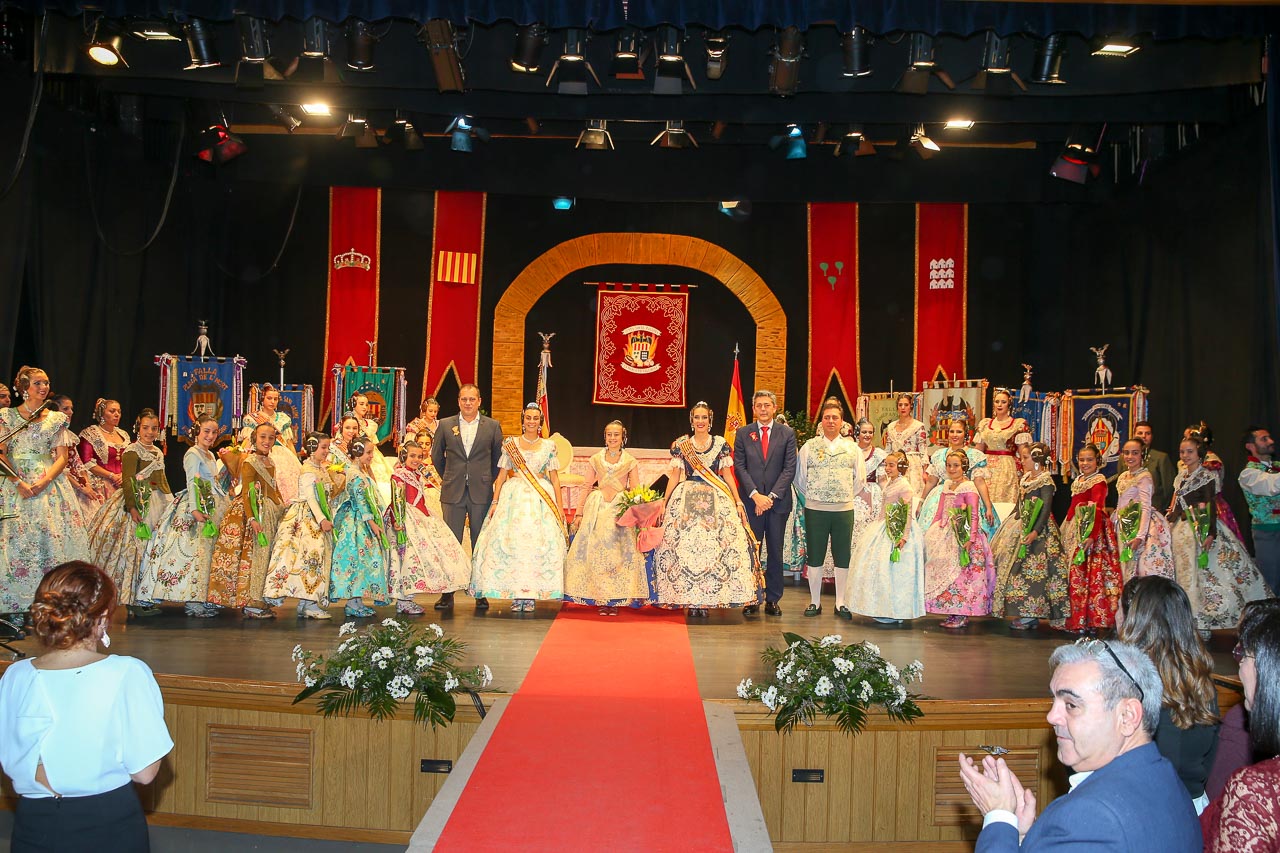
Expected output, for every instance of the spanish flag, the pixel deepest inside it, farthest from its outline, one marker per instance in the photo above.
(734, 415)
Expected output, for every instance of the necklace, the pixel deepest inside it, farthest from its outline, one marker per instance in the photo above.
(530, 442)
(694, 442)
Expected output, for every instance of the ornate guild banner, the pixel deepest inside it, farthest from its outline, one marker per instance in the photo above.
(641, 341)
(192, 387)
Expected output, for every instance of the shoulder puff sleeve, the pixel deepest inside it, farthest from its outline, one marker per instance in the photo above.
(504, 461)
(85, 449)
(191, 465)
(144, 735)
(677, 458)
(725, 458)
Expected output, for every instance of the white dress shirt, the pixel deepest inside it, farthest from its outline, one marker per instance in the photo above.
(467, 429)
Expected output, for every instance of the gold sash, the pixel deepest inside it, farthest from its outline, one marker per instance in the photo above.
(517, 459)
(690, 454)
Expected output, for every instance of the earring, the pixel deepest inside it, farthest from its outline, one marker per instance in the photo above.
(26, 394)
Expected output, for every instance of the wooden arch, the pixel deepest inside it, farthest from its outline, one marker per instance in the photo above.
(598, 249)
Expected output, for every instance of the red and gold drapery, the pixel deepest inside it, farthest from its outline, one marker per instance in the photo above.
(833, 302)
(351, 312)
(641, 345)
(942, 271)
(453, 312)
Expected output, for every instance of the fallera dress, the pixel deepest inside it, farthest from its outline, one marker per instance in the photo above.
(176, 565)
(978, 470)
(359, 563)
(113, 537)
(1153, 555)
(1034, 585)
(605, 567)
(998, 439)
(1093, 586)
(238, 571)
(879, 585)
(301, 555)
(288, 468)
(94, 450)
(431, 560)
(949, 587)
(913, 440)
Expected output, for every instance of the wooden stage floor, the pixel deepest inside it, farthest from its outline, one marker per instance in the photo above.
(983, 661)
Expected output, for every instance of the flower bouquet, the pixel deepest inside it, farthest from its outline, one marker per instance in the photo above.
(380, 666)
(397, 514)
(895, 524)
(827, 677)
(962, 527)
(1199, 517)
(372, 505)
(641, 508)
(1030, 511)
(142, 497)
(1086, 516)
(1130, 524)
(204, 501)
(255, 510)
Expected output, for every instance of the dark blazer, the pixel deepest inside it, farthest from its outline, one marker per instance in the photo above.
(1162, 473)
(457, 470)
(768, 477)
(1136, 804)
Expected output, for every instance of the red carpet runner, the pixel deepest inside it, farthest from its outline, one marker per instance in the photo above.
(605, 746)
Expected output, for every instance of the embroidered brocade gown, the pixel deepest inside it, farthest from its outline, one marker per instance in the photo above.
(302, 552)
(113, 539)
(1154, 556)
(380, 465)
(1034, 586)
(1093, 587)
(705, 557)
(605, 567)
(94, 450)
(1001, 463)
(359, 563)
(879, 586)
(239, 568)
(949, 588)
(288, 468)
(913, 441)
(521, 550)
(431, 560)
(978, 470)
(47, 529)
(176, 565)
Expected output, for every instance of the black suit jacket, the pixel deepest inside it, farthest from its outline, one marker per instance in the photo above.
(459, 470)
(770, 476)
(1162, 473)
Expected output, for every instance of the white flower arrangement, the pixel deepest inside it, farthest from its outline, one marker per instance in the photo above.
(825, 676)
(402, 662)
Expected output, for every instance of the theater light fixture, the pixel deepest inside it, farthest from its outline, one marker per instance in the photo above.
(361, 41)
(717, 44)
(959, 124)
(216, 143)
(1079, 158)
(255, 49)
(674, 136)
(105, 48)
(572, 68)
(562, 202)
(1047, 68)
(315, 108)
(672, 70)
(855, 47)
(855, 142)
(526, 57)
(791, 142)
(922, 144)
(996, 74)
(595, 136)
(286, 119)
(626, 64)
(462, 130)
(353, 127)
(367, 138)
(403, 131)
(1115, 46)
(784, 62)
(739, 210)
(200, 47)
(152, 30)
(922, 66)
(315, 38)
(441, 41)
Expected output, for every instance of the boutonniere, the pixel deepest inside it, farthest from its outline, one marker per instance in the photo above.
(755, 436)
(456, 431)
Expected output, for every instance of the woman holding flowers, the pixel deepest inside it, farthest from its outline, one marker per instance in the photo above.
(605, 568)
(1142, 534)
(424, 556)
(910, 436)
(283, 454)
(887, 579)
(1089, 546)
(1031, 578)
(125, 526)
(238, 573)
(958, 574)
(979, 473)
(359, 567)
(1210, 563)
(176, 566)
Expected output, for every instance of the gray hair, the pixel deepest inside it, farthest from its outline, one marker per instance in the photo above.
(1134, 677)
(764, 392)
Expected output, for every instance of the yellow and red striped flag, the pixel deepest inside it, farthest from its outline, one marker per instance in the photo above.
(734, 415)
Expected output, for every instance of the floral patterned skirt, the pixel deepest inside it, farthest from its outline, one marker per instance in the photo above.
(176, 565)
(1034, 586)
(705, 557)
(300, 558)
(881, 587)
(46, 531)
(431, 561)
(1221, 590)
(949, 587)
(358, 568)
(1093, 587)
(605, 567)
(238, 570)
(288, 470)
(115, 547)
(1155, 555)
(520, 551)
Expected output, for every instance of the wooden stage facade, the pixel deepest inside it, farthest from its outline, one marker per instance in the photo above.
(248, 760)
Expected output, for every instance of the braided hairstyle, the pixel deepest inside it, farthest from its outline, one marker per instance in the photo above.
(70, 601)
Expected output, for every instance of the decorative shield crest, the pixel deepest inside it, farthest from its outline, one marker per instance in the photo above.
(640, 346)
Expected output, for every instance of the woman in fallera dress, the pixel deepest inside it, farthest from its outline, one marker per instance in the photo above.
(422, 429)
(1031, 573)
(866, 508)
(605, 568)
(704, 560)
(1089, 547)
(77, 473)
(176, 565)
(127, 523)
(301, 557)
(995, 437)
(359, 563)
(284, 453)
(1142, 533)
(522, 546)
(379, 466)
(425, 557)
(47, 528)
(958, 570)
(908, 435)
(1213, 462)
(243, 549)
(101, 445)
(887, 578)
(936, 475)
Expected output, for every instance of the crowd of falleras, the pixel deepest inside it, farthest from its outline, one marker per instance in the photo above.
(902, 529)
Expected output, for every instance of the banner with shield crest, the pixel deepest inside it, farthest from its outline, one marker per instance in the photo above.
(1105, 420)
(296, 401)
(384, 387)
(942, 402)
(641, 344)
(192, 386)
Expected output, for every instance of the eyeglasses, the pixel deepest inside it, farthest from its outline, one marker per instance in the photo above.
(1239, 654)
(1090, 643)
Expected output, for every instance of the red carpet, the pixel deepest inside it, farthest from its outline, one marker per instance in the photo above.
(605, 746)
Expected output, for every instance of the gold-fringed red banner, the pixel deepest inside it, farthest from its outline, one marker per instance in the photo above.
(351, 313)
(642, 339)
(942, 250)
(833, 302)
(453, 312)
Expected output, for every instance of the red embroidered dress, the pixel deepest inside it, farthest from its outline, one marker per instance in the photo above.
(1093, 586)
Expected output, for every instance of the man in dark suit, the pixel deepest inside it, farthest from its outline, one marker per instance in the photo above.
(764, 463)
(1125, 796)
(465, 453)
(1161, 468)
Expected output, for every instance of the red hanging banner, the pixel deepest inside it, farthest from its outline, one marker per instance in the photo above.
(833, 302)
(453, 312)
(351, 313)
(641, 342)
(942, 275)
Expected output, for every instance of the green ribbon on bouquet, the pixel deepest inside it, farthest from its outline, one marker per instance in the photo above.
(895, 523)
(204, 501)
(397, 513)
(373, 510)
(1199, 518)
(961, 526)
(255, 510)
(1030, 510)
(1086, 515)
(1130, 524)
(142, 497)
(322, 498)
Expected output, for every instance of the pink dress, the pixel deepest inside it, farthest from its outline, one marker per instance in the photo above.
(949, 587)
(1155, 555)
(95, 450)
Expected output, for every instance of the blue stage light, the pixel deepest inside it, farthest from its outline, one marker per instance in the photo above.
(562, 202)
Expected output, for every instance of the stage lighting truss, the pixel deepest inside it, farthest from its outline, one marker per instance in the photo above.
(216, 143)
(1047, 67)
(526, 57)
(671, 70)
(922, 144)
(1079, 158)
(921, 67)
(717, 44)
(105, 47)
(361, 42)
(855, 142)
(572, 68)
(784, 62)
(627, 62)
(442, 40)
(674, 136)
(792, 143)
(595, 136)
(995, 73)
(202, 51)
(462, 130)
(855, 50)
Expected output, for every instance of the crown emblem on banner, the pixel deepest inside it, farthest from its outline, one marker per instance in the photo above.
(352, 258)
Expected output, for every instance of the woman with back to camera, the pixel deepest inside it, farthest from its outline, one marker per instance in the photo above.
(1155, 615)
(77, 727)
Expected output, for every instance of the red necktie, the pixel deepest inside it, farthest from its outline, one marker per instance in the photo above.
(764, 442)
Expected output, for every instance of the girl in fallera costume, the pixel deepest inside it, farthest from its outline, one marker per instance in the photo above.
(995, 437)
(887, 578)
(284, 454)
(958, 569)
(359, 564)
(1142, 533)
(424, 558)
(908, 435)
(101, 446)
(240, 557)
(1031, 577)
(301, 557)
(1089, 546)
(605, 568)
(127, 523)
(936, 474)
(380, 468)
(176, 565)
(1213, 463)
(77, 474)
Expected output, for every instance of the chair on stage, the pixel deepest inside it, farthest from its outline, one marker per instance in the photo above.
(564, 453)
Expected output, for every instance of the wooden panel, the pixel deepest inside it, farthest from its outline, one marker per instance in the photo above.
(254, 765)
(951, 803)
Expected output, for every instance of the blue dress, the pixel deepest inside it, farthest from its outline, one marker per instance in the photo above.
(359, 565)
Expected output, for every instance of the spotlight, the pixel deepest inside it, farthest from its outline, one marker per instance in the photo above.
(923, 145)
(959, 124)
(402, 129)
(200, 46)
(287, 120)
(921, 66)
(626, 63)
(596, 136)
(152, 30)
(315, 109)
(562, 202)
(105, 48)
(367, 137)
(462, 130)
(855, 142)
(717, 44)
(315, 38)
(441, 39)
(792, 143)
(1079, 158)
(855, 46)
(672, 70)
(527, 55)
(353, 127)
(738, 210)
(784, 62)
(572, 66)
(674, 136)
(216, 143)
(1047, 68)
(361, 41)
(996, 73)
(1115, 46)
(255, 49)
